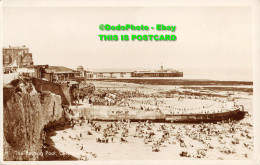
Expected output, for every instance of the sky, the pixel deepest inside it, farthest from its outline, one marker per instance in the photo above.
(211, 41)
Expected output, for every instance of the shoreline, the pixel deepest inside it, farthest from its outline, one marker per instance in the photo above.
(177, 81)
(51, 153)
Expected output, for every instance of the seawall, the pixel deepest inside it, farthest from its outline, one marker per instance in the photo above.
(114, 113)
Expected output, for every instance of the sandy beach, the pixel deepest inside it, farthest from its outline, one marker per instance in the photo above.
(70, 142)
(229, 140)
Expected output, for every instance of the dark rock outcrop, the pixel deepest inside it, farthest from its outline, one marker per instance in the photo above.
(26, 112)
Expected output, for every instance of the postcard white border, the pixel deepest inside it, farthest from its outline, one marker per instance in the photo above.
(255, 4)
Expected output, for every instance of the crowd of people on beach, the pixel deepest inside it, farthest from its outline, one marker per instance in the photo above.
(200, 105)
(136, 100)
(222, 136)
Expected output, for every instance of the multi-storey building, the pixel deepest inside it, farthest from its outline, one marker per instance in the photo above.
(17, 57)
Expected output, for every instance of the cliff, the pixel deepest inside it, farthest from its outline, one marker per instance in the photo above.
(61, 90)
(26, 112)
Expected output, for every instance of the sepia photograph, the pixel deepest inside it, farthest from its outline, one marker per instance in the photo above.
(99, 82)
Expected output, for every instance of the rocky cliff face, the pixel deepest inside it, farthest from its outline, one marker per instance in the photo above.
(26, 112)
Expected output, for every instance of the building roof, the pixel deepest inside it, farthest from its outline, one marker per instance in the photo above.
(61, 69)
(16, 47)
(80, 67)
